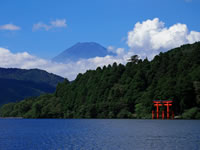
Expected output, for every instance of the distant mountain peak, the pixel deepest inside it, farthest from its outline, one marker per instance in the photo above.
(82, 50)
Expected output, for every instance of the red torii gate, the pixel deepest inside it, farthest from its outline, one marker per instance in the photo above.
(168, 103)
(159, 103)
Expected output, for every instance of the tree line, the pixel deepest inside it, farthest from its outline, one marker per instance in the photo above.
(123, 91)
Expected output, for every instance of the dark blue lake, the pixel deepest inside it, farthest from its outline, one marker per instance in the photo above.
(99, 134)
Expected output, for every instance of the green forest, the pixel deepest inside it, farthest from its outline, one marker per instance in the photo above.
(18, 84)
(123, 91)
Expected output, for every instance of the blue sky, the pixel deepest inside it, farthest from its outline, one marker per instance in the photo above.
(106, 22)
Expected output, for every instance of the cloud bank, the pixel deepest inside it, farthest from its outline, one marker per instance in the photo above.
(58, 23)
(151, 37)
(10, 27)
(146, 39)
(70, 70)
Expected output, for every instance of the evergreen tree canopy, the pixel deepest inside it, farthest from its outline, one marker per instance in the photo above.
(120, 91)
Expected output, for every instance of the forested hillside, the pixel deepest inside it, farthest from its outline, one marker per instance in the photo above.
(34, 75)
(18, 84)
(119, 91)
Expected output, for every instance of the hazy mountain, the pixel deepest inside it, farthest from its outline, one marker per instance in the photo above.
(17, 84)
(35, 75)
(82, 51)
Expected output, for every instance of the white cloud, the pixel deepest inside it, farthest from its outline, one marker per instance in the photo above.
(41, 25)
(58, 23)
(146, 40)
(118, 51)
(10, 27)
(151, 37)
(70, 70)
(111, 49)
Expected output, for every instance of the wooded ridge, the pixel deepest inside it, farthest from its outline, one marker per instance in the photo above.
(119, 91)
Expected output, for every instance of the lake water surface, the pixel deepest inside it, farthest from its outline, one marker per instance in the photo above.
(99, 134)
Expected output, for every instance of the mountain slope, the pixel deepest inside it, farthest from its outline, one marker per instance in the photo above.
(17, 84)
(35, 75)
(82, 51)
(120, 91)
(16, 90)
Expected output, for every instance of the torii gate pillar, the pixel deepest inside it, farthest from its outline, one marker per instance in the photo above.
(157, 104)
(167, 103)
